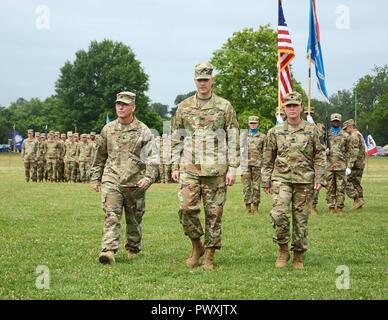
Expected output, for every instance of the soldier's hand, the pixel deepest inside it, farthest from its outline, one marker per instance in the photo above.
(317, 186)
(267, 190)
(175, 176)
(230, 179)
(143, 183)
(96, 187)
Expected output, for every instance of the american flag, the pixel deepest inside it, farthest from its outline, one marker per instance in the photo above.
(286, 54)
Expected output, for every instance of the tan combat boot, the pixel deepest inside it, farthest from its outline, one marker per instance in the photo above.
(209, 258)
(255, 208)
(196, 253)
(107, 257)
(298, 260)
(132, 254)
(248, 208)
(283, 256)
(340, 211)
(332, 210)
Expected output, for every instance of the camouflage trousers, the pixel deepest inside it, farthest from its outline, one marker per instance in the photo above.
(251, 179)
(335, 195)
(51, 169)
(315, 198)
(61, 170)
(70, 171)
(40, 170)
(212, 190)
(115, 198)
(299, 196)
(30, 170)
(165, 173)
(353, 186)
(84, 168)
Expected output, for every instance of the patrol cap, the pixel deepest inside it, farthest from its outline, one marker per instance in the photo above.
(69, 133)
(292, 97)
(63, 135)
(57, 133)
(125, 97)
(75, 134)
(37, 134)
(203, 70)
(51, 132)
(30, 131)
(42, 135)
(347, 123)
(253, 119)
(84, 135)
(92, 133)
(335, 116)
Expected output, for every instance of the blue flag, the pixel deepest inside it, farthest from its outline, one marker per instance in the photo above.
(314, 47)
(107, 119)
(17, 140)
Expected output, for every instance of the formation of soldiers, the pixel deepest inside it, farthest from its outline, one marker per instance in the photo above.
(291, 163)
(345, 152)
(58, 157)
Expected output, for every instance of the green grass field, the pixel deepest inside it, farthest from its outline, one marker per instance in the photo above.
(60, 226)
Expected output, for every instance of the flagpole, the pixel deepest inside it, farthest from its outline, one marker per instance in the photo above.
(279, 96)
(309, 87)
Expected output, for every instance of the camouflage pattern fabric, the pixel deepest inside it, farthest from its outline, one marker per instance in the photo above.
(205, 146)
(125, 154)
(252, 154)
(337, 162)
(29, 156)
(52, 153)
(114, 199)
(298, 195)
(212, 190)
(70, 157)
(356, 164)
(205, 140)
(294, 159)
(84, 156)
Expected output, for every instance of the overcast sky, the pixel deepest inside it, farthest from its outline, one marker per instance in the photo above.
(169, 37)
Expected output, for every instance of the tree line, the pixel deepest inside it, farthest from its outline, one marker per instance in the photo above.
(246, 68)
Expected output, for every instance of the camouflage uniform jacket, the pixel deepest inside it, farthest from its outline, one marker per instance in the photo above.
(293, 155)
(356, 150)
(84, 151)
(205, 140)
(125, 154)
(29, 149)
(62, 149)
(41, 150)
(52, 149)
(339, 144)
(255, 144)
(70, 151)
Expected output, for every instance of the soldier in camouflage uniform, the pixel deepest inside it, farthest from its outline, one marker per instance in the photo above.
(205, 155)
(76, 165)
(84, 157)
(356, 164)
(52, 151)
(338, 142)
(165, 159)
(70, 158)
(93, 143)
(253, 143)
(42, 158)
(293, 166)
(125, 165)
(29, 156)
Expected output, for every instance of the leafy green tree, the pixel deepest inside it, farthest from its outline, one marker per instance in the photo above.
(88, 86)
(160, 109)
